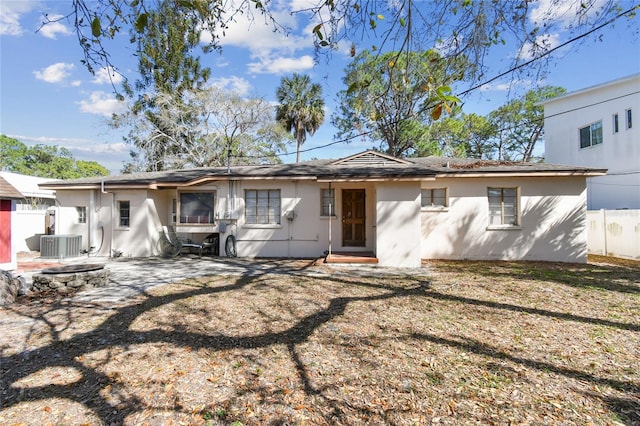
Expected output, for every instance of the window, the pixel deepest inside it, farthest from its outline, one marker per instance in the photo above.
(262, 206)
(436, 197)
(197, 207)
(503, 206)
(123, 213)
(82, 214)
(591, 135)
(628, 114)
(328, 202)
(616, 126)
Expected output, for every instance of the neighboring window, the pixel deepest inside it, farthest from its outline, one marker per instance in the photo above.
(174, 210)
(629, 122)
(124, 212)
(616, 125)
(436, 197)
(328, 202)
(197, 207)
(591, 135)
(262, 206)
(503, 206)
(82, 214)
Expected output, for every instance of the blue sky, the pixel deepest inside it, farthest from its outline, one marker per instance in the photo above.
(48, 97)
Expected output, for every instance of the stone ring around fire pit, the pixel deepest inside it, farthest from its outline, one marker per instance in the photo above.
(71, 277)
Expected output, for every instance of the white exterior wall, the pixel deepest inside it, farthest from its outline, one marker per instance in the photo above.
(137, 240)
(28, 227)
(307, 235)
(552, 223)
(619, 152)
(398, 224)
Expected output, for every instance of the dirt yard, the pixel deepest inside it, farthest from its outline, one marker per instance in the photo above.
(475, 343)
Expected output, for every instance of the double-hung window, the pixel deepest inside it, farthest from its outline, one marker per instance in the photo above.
(328, 202)
(591, 135)
(82, 214)
(197, 207)
(262, 206)
(503, 206)
(436, 197)
(124, 211)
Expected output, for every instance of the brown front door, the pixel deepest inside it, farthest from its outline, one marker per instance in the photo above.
(353, 220)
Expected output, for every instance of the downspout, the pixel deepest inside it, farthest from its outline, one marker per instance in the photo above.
(113, 200)
(90, 213)
(330, 206)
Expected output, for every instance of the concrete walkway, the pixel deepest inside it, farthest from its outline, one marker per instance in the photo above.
(132, 276)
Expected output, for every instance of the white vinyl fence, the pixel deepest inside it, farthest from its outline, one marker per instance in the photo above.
(614, 233)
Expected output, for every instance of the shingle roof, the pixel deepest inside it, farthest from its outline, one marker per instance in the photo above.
(8, 191)
(352, 168)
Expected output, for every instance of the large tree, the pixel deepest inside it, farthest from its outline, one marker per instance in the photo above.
(45, 161)
(460, 27)
(300, 107)
(520, 124)
(392, 97)
(168, 67)
(209, 127)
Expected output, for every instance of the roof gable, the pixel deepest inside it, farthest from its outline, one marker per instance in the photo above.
(7, 190)
(369, 158)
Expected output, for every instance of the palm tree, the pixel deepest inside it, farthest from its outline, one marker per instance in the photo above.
(301, 107)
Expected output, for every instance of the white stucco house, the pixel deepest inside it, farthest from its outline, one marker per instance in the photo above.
(396, 211)
(594, 127)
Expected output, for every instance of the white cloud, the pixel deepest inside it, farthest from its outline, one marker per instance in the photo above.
(55, 27)
(102, 148)
(565, 13)
(10, 13)
(268, 48)
(236, 84)
(510, 86)
(542, 44)
(107, 75)
(102, 103)
(281, 65)
(55, 73)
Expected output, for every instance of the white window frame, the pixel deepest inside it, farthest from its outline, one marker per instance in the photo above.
(516, 208)
(183, 219)
(121, 217)
(324, 208)
(82, 214)
(595, 134)
(272, 211)
(427, 197)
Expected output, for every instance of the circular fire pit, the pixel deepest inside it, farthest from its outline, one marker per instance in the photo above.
(71, 277)
(67, 269)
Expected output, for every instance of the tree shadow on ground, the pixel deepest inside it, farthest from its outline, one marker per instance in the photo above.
(116, 331)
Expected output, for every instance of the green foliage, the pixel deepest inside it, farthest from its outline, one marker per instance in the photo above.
(301, 107)
(168, 66)
(511, 132)
(45, 161)
(394, 97)
(520, 124)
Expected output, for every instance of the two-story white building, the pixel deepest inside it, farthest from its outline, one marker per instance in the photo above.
(594, 127)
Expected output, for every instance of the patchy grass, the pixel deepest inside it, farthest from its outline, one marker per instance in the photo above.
(475, 343)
